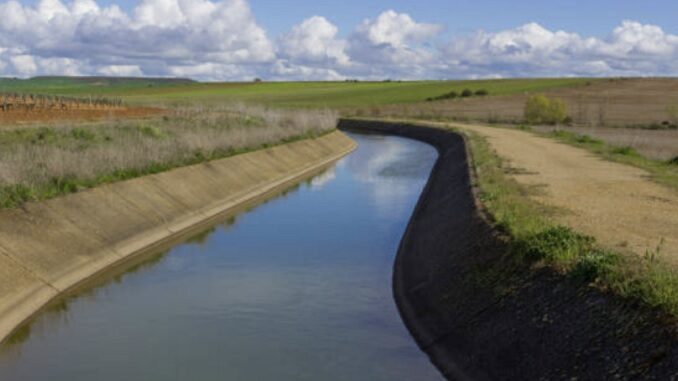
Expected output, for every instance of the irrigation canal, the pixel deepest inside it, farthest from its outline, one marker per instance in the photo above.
(298, 288)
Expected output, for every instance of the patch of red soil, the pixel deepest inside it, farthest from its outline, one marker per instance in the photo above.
(8, 118)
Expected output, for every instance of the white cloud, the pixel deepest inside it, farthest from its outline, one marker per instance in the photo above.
(120, 71)
(221, 40)
(396, 29)
(393, 39)
(24, 64)
(157, 35)
(314, 40)
(284, 70)
(532, 50)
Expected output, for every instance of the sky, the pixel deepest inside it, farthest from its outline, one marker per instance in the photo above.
(231, 40)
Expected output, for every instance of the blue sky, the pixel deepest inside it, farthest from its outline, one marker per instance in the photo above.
(596, 17)
(323, 39)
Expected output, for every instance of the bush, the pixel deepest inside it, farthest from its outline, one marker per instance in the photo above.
(541, 110)
(626, 151)
(82, 134)
(467, 93)
(482, 92)
(586, 139)
(450, 95)
(674, 161)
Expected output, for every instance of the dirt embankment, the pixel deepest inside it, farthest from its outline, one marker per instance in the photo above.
(47, 248)
(478, 321)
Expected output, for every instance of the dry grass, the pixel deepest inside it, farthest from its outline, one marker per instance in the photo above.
(613, 102)
(39, 162)
(653, 144)
(598, 109)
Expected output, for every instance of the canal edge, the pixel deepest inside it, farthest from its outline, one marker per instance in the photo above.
(32, 290)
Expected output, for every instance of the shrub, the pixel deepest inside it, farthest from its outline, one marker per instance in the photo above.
(450, 95)
(82, 134)
(626, 151)
(586, 139)
(467, 93)
(540, 109)
(482, 92)
(674, 161)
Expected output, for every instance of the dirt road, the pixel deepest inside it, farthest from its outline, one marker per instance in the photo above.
(615, 203)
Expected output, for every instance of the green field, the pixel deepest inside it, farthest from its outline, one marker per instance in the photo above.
(337, 95)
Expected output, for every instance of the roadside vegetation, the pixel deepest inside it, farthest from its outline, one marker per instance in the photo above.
(536, 240)
(663, 171)
(540, 109)
(38, 162)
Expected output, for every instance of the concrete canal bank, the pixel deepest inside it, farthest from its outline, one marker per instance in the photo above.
(49, 247)
(477, 323)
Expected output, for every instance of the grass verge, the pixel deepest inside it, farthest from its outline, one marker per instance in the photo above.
(536, 240)
(663, 172)
(42, 162)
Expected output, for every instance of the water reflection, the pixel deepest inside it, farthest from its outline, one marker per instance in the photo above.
(390, 165)
(296, 289)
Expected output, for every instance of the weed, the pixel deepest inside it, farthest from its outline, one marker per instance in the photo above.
(151, 131)
(82, 134)
(16, 194)
(554, 244)
(626, 151)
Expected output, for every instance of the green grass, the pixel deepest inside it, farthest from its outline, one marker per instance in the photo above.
(339, 95)
(86, 85)
(534, 239)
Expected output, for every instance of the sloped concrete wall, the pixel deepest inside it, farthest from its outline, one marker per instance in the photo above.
(49, 247)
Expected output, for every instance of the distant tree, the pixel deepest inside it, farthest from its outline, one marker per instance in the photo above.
(541, 110)
(482, 92)
(258, 80)
(467, 93)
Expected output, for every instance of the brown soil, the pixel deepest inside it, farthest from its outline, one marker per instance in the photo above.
(10, 118)
(615, 203)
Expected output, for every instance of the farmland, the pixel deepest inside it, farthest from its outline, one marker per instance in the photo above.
(616, 102)
(337, 95)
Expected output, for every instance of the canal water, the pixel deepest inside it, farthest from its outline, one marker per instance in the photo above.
(298, 288)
